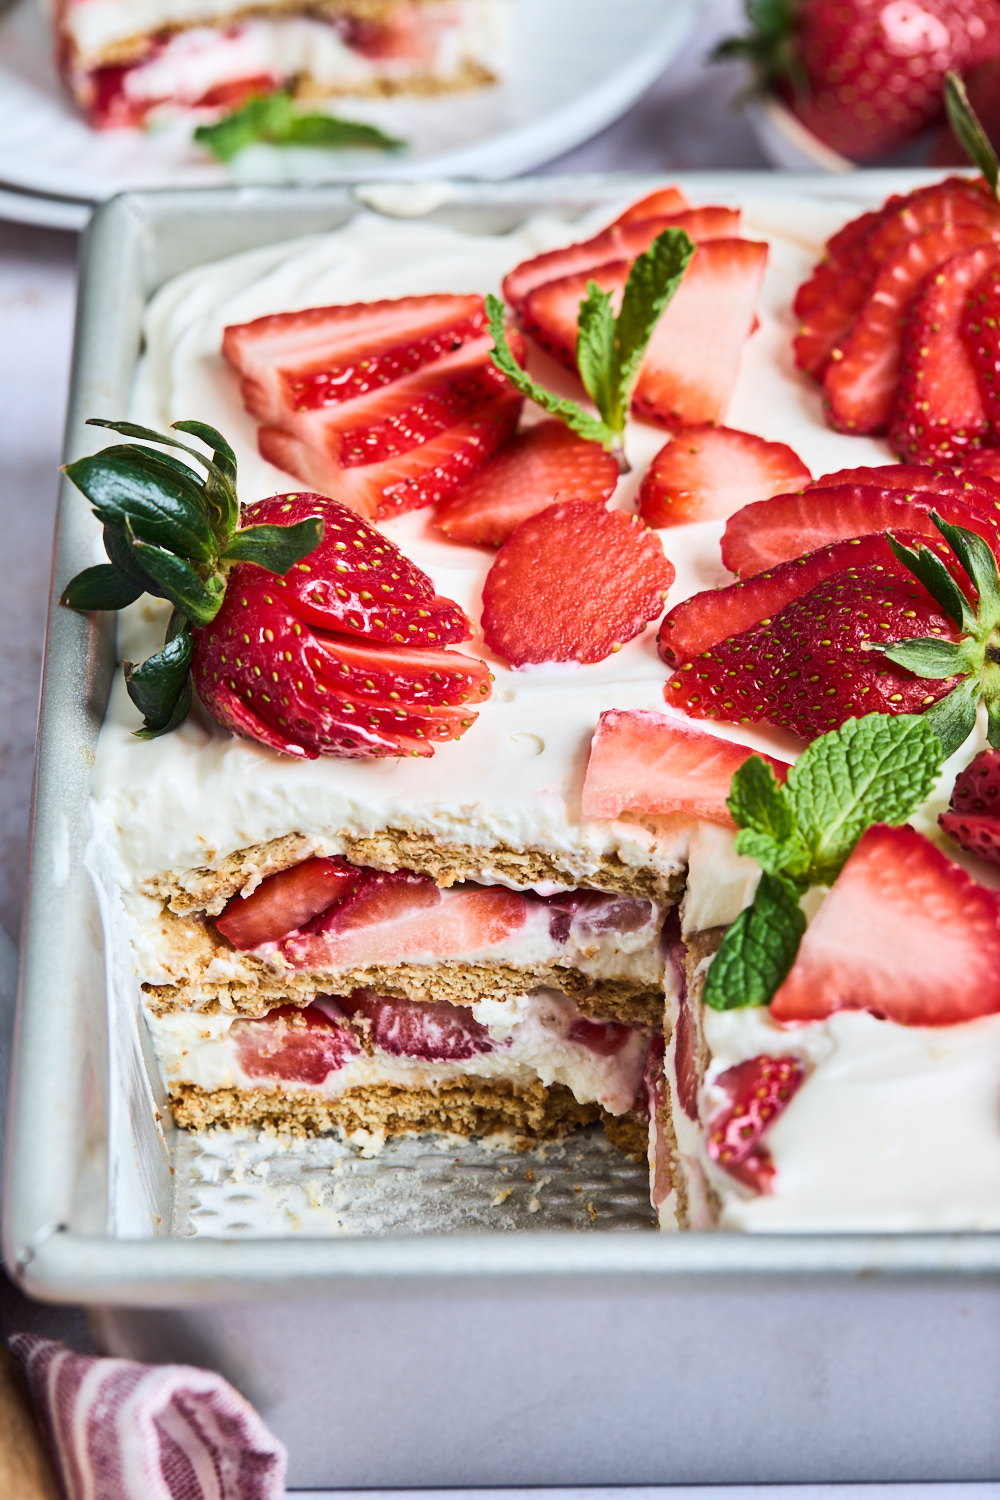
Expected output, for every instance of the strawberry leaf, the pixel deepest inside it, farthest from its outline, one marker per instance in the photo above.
(968, 130)
(927, 656)
(954, 718)
(936, 579)
(976, 557)
(571, 412)
(101, 587)
(149, 492)
(276, 548)
(219, 490)
(199, 599)
(160, 687)
(758, 950)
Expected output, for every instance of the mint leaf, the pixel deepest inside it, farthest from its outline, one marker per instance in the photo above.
(595, 348)
(758, 950)
(968, 130)
(871, 770)
(560, 406)
(758, 800)
(274, 121)
(652, 282)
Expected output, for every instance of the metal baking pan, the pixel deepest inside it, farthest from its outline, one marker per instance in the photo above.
(447, 1359)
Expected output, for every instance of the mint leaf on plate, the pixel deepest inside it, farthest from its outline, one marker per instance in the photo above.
(273, 120)
(758, 950)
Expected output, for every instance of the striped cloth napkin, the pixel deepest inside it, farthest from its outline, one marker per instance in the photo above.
(119, 1430)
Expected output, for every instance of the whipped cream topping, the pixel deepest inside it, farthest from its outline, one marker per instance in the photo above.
(531, 1036)
(194, 796)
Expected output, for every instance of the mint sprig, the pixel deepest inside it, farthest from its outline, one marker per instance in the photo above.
(609, 349)
(273, 120)
(871, 770)
(975, 658)
(172, 531)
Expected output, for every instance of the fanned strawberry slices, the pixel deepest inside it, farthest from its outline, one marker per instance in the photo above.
(386, 406)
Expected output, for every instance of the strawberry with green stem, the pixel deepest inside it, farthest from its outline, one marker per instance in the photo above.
(340, 655)
(609, 349)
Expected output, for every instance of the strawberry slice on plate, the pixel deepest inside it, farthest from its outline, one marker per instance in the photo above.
(706, 473)
(625, 239)
(756, 1092)
(769, 532)
(573, 584)
(693, 357)
(541, 466)
(655, 205)
(940, 412)
(971, 483)
(286, 900)
(904, 933)
(860, 380)
(646, 762)
(808, 666)
(973, 816)
(387, 405)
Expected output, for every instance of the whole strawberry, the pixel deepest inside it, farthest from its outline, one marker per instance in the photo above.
(303, 628)
(865, 76)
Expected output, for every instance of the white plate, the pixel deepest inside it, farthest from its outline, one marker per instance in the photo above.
(575, 65)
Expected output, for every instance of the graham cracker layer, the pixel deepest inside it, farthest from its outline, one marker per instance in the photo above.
(629, 1133)
(207, 888)
(466, 1107)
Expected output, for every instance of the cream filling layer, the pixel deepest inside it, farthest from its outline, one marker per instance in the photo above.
(531, 1041)
(895, 1127)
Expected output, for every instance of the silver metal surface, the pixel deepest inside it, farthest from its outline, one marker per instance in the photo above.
(553, 1357)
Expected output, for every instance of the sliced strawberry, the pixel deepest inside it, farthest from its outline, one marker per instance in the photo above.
(981, 335)
(334, 350)
(756, 1092)
(405, 918)
(387, 405)
(620, 241)
(430, 1029)
(544, 464)
(939, 412)
(645, 762)
(772, 531)
(983, 464)
(904, 933)
(706, 473)
(656, 205)
(836, 294)
(690, 368)
(572, 584)
(860, 379)
(715, 614)
(422, 679)
(286, 900)
(296, 1046)
(971, 483)
(973, 816)
(603, 1038)
(809, 668)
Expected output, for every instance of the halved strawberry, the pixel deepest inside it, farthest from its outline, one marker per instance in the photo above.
(939, 412)
(773, 531)
(655, 205)
(981, 334)
(645, 762)
(572, 584)
(715, 614)
(756, 1092)
(286, 900)
(860, 380)
(809, 667)
(706, 473)
(431, 1029)
(387, 405)
(904, 933)
(399, 917)
(294, 1045)
(693, 358)
(625, 239)
(542, 465)
(973, 816)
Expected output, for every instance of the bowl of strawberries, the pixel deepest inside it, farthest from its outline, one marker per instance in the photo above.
(840, 83)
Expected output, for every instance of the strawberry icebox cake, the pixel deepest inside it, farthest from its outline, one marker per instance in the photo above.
(540, 708)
